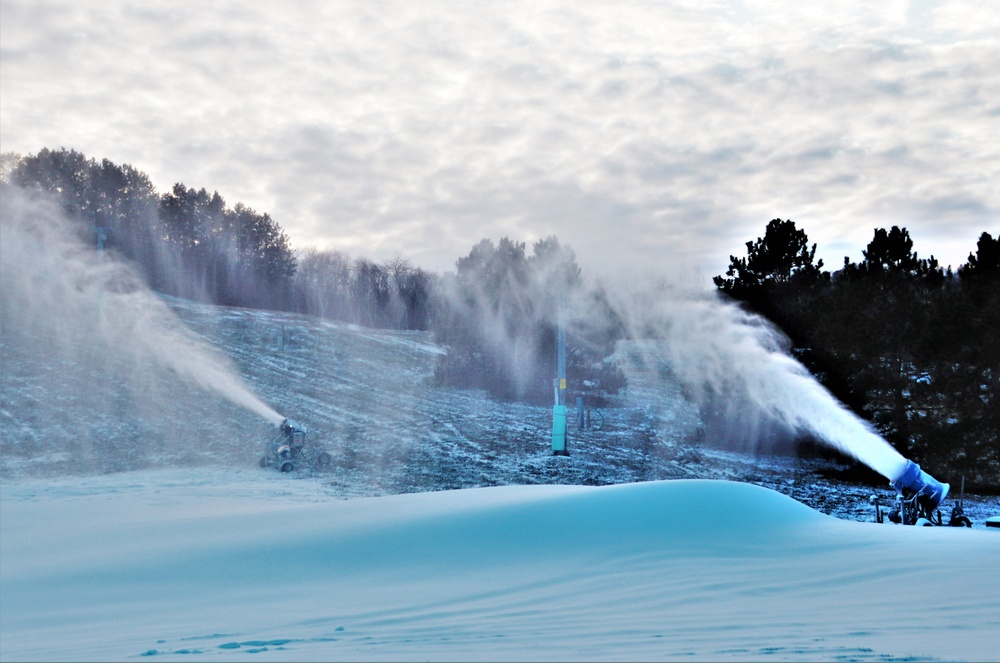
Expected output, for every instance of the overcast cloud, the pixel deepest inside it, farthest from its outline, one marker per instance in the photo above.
(652, 136)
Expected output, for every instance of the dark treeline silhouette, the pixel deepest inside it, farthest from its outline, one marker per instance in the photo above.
(191, 244)
(186, 242)
(910, 346)
(236, 256)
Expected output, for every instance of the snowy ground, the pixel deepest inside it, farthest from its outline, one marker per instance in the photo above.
(241, 565)
(135, 523)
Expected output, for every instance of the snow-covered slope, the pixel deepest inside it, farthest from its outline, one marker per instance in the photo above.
(240, 565)
(368, 397)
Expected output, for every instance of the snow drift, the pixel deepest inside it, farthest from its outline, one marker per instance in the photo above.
(227, 564)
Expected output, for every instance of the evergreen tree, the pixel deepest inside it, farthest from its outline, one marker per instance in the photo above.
(781, 280)
(983, 267)
(187, 242)
(780, 256)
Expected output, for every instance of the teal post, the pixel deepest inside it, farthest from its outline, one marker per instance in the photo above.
(102, 236)
(559, 385)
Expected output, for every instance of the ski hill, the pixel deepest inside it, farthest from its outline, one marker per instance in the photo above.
(137, 525)
(368, 397)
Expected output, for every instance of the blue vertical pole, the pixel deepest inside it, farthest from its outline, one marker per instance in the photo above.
(559, 384)
(102, 235)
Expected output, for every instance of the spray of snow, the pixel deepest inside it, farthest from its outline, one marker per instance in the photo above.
(739, 362)
(734, 365)
(74, 304)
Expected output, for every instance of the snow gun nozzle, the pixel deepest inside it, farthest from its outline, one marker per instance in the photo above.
(287, 426)
(914, 482)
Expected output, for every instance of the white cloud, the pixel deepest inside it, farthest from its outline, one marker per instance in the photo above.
(645, 134)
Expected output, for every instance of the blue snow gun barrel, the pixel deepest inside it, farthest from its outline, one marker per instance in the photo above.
(914, 482)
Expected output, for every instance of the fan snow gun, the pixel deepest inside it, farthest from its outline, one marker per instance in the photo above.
(289, 449)
(918, 500)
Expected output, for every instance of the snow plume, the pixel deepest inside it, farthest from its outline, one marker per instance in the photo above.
(502, 310)
(61, 298)
(736, 367)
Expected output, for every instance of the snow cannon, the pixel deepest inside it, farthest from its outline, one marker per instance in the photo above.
(915, 482)
(290, 449)
(918, 496)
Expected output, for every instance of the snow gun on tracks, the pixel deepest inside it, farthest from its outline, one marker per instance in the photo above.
(291, 450)
(918, 500)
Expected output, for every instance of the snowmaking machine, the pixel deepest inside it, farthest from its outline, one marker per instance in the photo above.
(918, 500)
(290, 449)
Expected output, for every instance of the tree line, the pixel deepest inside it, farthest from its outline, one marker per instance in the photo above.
(390, 295)
(908, 345)
(186, 242)
(190, 243)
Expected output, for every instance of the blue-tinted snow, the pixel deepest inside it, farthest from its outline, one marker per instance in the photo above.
(222, 563)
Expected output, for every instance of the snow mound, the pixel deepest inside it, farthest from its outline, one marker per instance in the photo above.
(225, 564)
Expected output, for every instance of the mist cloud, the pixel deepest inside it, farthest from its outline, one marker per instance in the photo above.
(84, 310)
(650, 136)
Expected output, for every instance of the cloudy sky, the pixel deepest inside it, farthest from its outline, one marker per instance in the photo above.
(653, 136)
